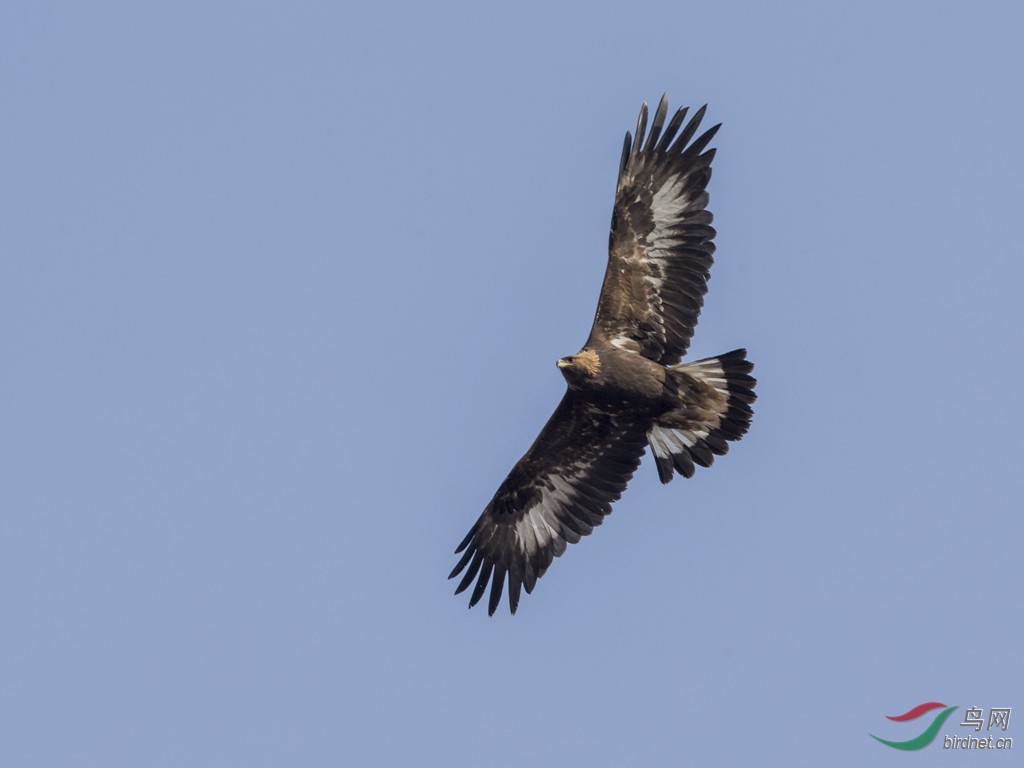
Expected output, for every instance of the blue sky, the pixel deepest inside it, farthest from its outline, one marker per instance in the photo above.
(281, 293)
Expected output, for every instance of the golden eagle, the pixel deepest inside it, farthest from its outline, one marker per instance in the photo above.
(627, 388)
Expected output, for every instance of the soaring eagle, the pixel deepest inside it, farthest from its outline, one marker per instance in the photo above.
(626, 388)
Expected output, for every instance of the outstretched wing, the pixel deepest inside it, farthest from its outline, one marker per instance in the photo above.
(660, 249)
(559, 491)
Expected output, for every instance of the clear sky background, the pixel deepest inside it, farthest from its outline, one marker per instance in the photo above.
(281, 291)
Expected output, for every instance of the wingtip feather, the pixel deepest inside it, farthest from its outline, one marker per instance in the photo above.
(641, 128)
(627, 145)
(497, 586)
(481, 583)
(656, 125)
(470, 574)
(515, 584)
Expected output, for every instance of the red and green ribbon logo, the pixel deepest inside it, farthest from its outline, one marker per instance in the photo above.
(929, 733)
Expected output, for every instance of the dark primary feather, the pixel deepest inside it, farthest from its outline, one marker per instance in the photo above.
(559, 491)
(660, 247)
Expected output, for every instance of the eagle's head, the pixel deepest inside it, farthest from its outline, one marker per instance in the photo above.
(580, 367)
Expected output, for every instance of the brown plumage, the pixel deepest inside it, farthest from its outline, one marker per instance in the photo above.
(626, 387)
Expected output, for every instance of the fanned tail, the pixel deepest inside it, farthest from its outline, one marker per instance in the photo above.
(715, 396)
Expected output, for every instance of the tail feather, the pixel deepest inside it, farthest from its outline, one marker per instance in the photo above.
(715, 396)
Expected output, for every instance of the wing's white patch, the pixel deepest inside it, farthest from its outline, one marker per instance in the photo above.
(667, 205)
(562, 490)
(654, 258)
(668, 202)
(539, 526)
(630, 345)
(534, 531)
(526, 535)
(654, 280)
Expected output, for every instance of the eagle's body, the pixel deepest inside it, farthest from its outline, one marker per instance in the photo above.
(626, 387)
(608, 375)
